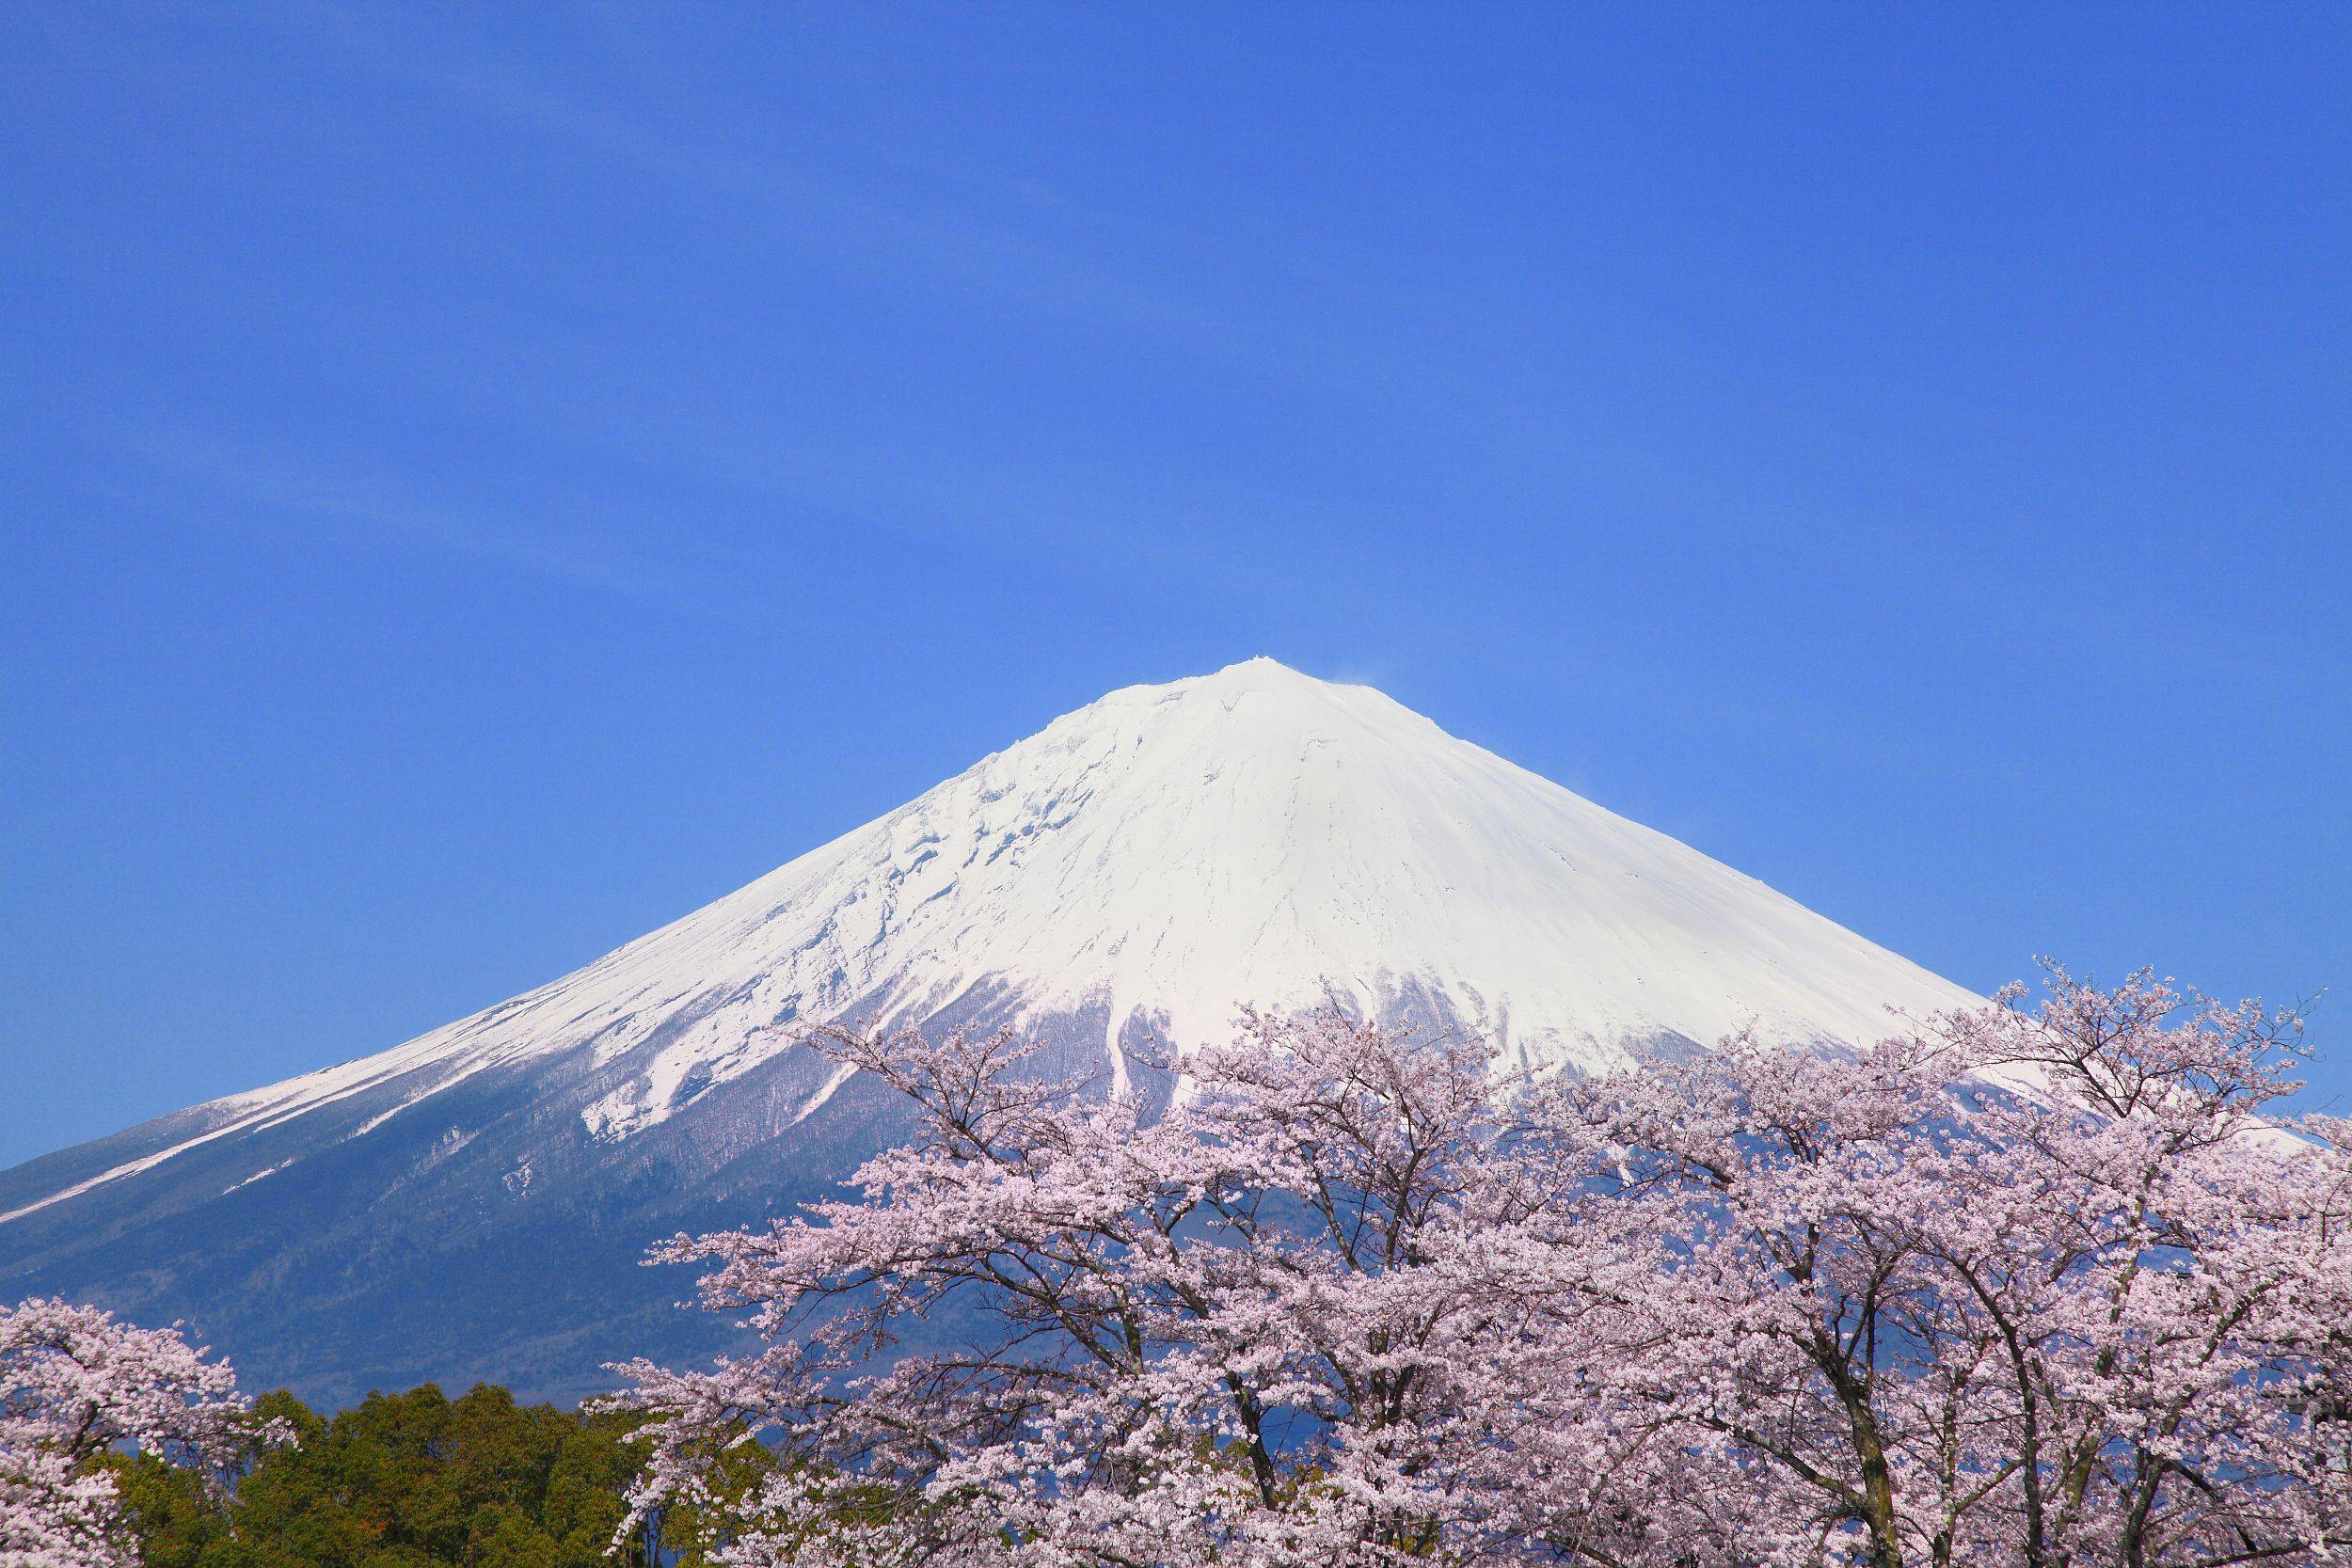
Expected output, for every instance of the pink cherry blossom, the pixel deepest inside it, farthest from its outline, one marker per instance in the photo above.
(74, 1384)
(2043, 1287)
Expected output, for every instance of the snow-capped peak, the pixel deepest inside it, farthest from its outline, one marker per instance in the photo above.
(1158, 858)
(1170, 852)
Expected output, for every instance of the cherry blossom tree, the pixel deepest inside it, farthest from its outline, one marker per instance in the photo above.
(76, 1385)
(2030, 1286)
(2034, 1287)
(1225, 1335)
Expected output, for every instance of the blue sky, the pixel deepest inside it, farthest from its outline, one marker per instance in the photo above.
(483, 481)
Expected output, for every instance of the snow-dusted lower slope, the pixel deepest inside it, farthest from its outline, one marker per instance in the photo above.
(1137, 869)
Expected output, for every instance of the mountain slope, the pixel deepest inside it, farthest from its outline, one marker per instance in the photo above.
(1132, 872)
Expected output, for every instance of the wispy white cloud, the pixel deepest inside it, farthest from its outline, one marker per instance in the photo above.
(353, 503)
(861, 207)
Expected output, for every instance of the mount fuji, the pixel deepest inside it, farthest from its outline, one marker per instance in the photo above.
(473, 1204)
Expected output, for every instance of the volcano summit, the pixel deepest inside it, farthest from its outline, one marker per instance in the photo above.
(474, 1203)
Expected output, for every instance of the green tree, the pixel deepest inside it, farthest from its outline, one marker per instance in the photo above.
(403, 1480)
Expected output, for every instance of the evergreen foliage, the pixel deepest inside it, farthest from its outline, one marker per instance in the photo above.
(402, 1480)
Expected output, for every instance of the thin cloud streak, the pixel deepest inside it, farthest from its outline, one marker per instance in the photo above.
(363, 508)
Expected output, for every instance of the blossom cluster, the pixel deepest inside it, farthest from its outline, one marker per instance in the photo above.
(76, 1385)
(2036, 1285)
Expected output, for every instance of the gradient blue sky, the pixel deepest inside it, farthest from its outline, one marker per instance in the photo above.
(481, 482)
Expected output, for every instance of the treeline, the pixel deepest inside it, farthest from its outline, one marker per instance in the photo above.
(407, 1480)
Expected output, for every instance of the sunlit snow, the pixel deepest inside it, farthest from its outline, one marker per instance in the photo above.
(1173, 851)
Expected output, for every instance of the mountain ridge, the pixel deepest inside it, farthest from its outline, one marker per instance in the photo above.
(1134, 871)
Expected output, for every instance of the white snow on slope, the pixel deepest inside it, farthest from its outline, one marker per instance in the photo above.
(1173, 851)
